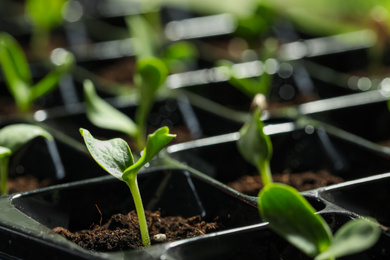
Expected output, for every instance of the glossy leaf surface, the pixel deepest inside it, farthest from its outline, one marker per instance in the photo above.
(155, 142)
(113, 155)
(292, 217)
(15, 136)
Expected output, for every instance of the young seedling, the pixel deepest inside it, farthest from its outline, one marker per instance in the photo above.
(115, 157)
(45, 16)
(290, 215)
(150, 75)
(18, 75)
(253, 86)
(13, 137)
(146, 30)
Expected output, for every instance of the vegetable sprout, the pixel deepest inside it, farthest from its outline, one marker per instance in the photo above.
(18, 75)
(290, 215)
(115, 157)
(12, 138)
(150, 75)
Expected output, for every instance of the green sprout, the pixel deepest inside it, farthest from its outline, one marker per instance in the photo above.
(45, 16)
(290, 215)
(150, 75)
(146, 30)
(253, 86)
(18, 75)
(12, 138)
(115, 157)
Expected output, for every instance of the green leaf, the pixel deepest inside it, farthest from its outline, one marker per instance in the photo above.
(46, 14)
(103, 115)
(15, 136)
(16, 70)
(246, 85)
(293, 218)
(180, 56)
(146, 41)
(113, 155)
(156, 141)
(63, 61)
(16, 60)
(255, 146)
(153, 73)
(4, 152)
(353, 237)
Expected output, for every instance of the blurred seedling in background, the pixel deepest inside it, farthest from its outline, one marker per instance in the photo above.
(149, 41)
(289, 214)
(150, 75)
(12, 138)
(18, 76)
(115, 157)
(262, 84)
(44, 16)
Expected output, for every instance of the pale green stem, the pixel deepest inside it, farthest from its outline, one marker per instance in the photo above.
(141, 120)
(4, 175)
(133, 185)
(265, 172)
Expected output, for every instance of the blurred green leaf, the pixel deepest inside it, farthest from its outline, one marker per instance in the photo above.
(16, 70)
(64, 62)
(15, 136)
(4, 152)
(153, 73)
(353, 237)
(46, 14)
(103, 115)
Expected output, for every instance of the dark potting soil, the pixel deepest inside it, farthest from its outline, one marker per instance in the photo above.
(7, 107)
(121, 232)
(251, 185)
(274, 105)
(26, 183)
(121, 71)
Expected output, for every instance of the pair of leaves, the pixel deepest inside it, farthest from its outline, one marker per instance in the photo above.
(18, 76)
(115, 155)
(289, 214)
(292, 217)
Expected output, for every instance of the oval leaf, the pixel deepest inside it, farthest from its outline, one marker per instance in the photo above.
(16, 71)
(153, 73)
(355, 236)
(292, 217)
(103, 115)
(113, 155)
(156, 141)
(13, 60)
(254, 145)
(15, 136)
